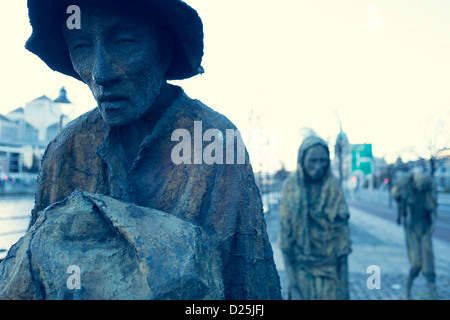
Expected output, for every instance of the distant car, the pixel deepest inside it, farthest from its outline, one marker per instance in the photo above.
(440, 189)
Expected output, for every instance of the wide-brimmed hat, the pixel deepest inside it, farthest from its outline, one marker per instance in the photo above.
(47, 42)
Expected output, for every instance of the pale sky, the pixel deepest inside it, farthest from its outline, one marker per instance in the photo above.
(295, 63)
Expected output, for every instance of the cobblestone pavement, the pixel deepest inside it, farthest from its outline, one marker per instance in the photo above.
(376, 241)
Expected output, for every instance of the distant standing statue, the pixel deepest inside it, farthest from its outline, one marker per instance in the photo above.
(314, 235)
(416, 198)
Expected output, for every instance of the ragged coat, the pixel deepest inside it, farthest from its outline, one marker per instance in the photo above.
(416, 198)
(314, 233)
(221, 198)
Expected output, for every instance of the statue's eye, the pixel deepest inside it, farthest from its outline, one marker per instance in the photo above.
(80, 46)
(126, 40)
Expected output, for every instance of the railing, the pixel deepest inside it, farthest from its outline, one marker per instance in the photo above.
(18, 183)
(12, 228)
(15, 232)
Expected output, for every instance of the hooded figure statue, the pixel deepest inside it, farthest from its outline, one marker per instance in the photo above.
(189, 229)
(314, 235)
(416, 197)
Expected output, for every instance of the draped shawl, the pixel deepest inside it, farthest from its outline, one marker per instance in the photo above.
(314, 230)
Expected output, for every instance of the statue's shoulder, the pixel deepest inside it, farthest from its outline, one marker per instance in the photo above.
(290, 183)
(89, 129)
(190, 110)
(334, 182)
(86, 124)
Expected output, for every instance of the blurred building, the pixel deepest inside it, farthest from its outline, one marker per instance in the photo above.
(442, 174)
(342, 162)
(25, 133)
(356, 167)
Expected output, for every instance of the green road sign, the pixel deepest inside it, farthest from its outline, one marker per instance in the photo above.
(362, 158)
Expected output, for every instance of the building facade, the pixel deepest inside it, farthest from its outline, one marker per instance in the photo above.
(24, 135)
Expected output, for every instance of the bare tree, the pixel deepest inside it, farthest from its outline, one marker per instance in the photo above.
(437, 138)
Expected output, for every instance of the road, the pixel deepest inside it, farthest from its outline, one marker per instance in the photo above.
(442, 224)
(382, 198)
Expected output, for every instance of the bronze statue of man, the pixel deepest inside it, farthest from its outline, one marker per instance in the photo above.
(314, 233)
(126, 51)
(416, 198)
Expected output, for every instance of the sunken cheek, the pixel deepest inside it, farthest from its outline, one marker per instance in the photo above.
(82, 67)
(126, 68)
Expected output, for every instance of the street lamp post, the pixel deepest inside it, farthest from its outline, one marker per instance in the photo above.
(65, 106)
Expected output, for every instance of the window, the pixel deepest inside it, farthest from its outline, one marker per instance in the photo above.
(14, 162)
(9, 133)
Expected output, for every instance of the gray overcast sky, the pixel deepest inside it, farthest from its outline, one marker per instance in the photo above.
(295, 63)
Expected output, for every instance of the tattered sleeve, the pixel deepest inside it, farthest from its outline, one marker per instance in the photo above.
(70, 163)
(249, 270)
(47, 182)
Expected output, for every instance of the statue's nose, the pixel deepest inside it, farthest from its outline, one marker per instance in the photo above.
(104, 72)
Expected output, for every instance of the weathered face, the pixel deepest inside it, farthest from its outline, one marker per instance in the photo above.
(120, 58)
(315, 162)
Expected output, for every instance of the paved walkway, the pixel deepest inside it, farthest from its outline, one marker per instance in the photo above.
(377, 241)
